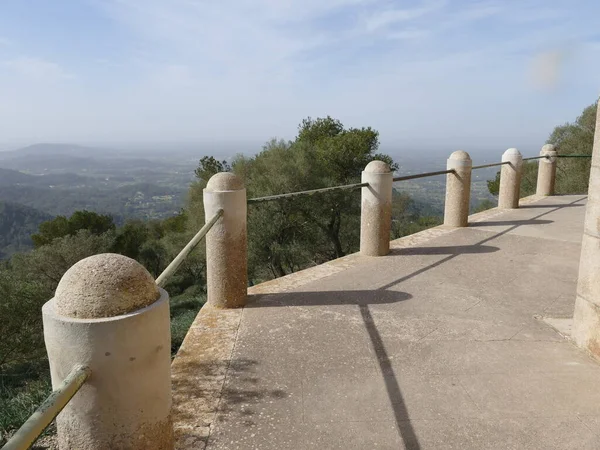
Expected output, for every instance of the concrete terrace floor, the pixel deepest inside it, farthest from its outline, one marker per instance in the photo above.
(439, 345)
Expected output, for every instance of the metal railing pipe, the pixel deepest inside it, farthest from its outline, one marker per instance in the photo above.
(535, 157)
(484, 166)
(171, 268)
(47, 412)
(310, 192)
(423, 175)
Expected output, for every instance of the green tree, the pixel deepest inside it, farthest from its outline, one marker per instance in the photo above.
(208, 166)
(60, 226)
(407, 216)
(27, 281)
(572, 138)
(130, 238)
(291, 234)
(573, 174)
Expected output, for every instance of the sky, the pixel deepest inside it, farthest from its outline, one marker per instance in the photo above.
(430, 74)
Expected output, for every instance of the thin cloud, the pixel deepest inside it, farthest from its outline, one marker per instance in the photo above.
(186, 69)
(386, 18)
(37, 69)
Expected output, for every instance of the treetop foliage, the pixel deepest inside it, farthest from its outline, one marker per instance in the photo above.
(572, 175)
(60, 226)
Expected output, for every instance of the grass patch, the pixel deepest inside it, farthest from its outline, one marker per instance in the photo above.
(184, 309)
(22, 389)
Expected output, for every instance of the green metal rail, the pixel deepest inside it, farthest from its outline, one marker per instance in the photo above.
(423, 175)
(484, 166)
(171, 268)
(47, 412)
(311, 192)
(536, 157)
(574, 156)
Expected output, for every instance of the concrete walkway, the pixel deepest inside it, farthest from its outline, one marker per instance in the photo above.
(440, 345)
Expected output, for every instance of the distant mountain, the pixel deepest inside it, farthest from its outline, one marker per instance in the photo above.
(58, 149)
(62, 158)
(17, 223)
(10, 177)
(138, 200)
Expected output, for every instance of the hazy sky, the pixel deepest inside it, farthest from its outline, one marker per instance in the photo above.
(441, 73)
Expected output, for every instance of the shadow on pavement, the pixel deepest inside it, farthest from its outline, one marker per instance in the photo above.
(518, 223)
(451, 250)
(326, 298)
(552, 206)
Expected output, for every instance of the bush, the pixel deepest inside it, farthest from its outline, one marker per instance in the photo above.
(184, 309)
(22, 390)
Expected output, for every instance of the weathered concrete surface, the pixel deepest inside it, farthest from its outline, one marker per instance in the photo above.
(546, 171)
(458, 189)
(510, 179)
(438, 345)
(226, 242)
(126, 402)
(376, 209)
(586, 320)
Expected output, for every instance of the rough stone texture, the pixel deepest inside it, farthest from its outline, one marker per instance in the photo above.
(586, 320)
(199, 371)
(458, 190)
(437, 345)
(126, 402)
(546, 171)
(510, 179)
(224, 181)
(377, 167)
(376, 209)
(105, 285)
(226, 242)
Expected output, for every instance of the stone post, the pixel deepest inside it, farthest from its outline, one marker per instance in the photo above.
(510, 179)
(226, 242)
(586, 320)
(458, 190)
(108, 314)
(376, 209)
(546, 171)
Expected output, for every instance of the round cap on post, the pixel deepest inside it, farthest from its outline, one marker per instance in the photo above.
(105, 285)
(224, 181)
(377, 167)
(511, 154)
(549, 150)
(460, 155)
(459, 159)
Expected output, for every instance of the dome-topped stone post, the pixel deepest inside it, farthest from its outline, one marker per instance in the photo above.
(108, 314)
(586, 319)
(226, 242)
(510, 179)
(458, 190)
(547, 171)
(376, 209)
